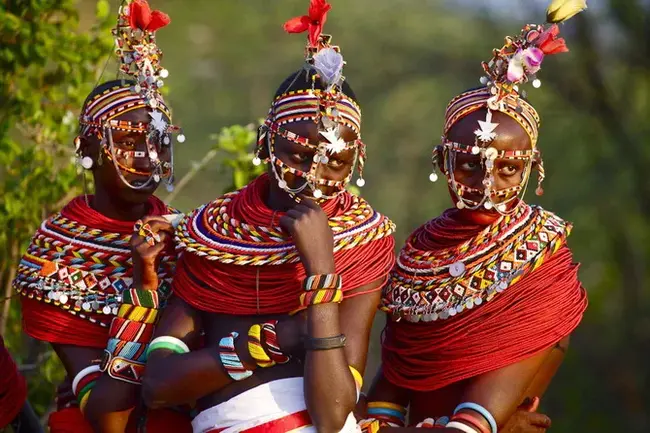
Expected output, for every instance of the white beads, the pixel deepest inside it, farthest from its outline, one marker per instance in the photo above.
(361, 182)
(318, 193)
(156, 178)
(153, 155)
(476, 150)
(488, 205)
(86, 162)
(537, 83)
(166, 140)
(282, 184)
(164, 73)
(502, 207)
(160, 83)
(460, 204)
(170, 187)
(257, 161)
(484, 80)
(180, 138)
(433, 177)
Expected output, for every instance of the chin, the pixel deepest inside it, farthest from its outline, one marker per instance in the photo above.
(137, 196)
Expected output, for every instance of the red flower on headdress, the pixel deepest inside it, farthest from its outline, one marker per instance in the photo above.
(313, 22)
(142, 17)
(549, 43)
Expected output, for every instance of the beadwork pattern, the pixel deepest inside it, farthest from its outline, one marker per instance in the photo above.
(209, 231)
(81, 269)
(428, 286)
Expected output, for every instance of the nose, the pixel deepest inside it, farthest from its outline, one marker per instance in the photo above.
(143, 163)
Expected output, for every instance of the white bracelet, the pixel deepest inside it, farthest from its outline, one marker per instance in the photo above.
(460, 426)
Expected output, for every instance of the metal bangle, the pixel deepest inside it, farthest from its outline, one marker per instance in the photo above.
(327, 343)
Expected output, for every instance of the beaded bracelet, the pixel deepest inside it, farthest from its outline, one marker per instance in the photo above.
(137, 313)
(320, 296)
(255, 348)
(270, 340)
(230, 360)
(324, 281)
(127, 349)
(84, 382)
(122, 368)
(168, 343)
(130, 330)
(481, 410)
(141, 298)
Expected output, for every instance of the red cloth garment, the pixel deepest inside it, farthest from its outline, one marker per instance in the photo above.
(237, 260)
(13, 389)
(541, 306)
(85, 241)
(71, 420)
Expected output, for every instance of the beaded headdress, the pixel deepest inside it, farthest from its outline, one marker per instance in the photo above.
(514, 64)
(327, 106)
(140, 56)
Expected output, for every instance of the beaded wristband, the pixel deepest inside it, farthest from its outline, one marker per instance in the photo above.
(127, 349)
(460, 426)
(472, 421)
(321, 296)
(271, 343)
(84, 382)
(255, 348)
(230, 360)
(138, 314)
(168, 343)
(481, 410)
(325, 281)
(141, 298)
(125, 329)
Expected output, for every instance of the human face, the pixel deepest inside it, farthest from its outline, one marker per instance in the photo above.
(129, 157)
(301, 158)
(470, 170)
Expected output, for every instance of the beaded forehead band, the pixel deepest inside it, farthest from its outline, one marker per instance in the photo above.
(329, 108)
(516, 63)
(140, 61)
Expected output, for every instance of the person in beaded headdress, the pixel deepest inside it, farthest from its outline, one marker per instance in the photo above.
(77, 276)
(483, 298)
(283, 275)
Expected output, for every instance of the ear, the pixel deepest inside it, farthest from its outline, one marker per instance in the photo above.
(87, 146)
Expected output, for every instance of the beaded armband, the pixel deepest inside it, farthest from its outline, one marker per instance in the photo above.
(230, 360)
(168, 343)
(263, 345)
(390, 414)
(433, 423)
(130, 332)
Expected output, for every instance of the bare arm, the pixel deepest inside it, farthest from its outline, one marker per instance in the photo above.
(173, 378)
(330, 387)
(502, 391)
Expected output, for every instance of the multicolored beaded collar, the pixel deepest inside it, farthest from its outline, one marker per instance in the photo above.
(81, 269)
(210, 231)
(436, 285)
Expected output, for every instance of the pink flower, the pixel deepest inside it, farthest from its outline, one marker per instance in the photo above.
(524, 62)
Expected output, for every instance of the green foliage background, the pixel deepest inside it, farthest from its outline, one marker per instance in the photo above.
(406, 59)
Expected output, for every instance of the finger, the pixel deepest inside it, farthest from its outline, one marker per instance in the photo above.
(159, 226)
(308, 201)
(287, 223)
(539, 420)
(534, 405)
(294, 214)
(151, 218)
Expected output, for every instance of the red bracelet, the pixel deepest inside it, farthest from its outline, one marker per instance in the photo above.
(125, 329)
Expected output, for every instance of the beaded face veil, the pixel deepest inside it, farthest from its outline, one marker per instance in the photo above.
(140, 62)
(516, 63)
(327, 106)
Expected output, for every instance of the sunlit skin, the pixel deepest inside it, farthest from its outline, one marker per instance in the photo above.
(501, 391)
(110, 403)
(469, 169)
(199, 375)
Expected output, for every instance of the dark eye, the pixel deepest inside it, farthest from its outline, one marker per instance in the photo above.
(508, 170)
(299, 157)
(470, 166)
